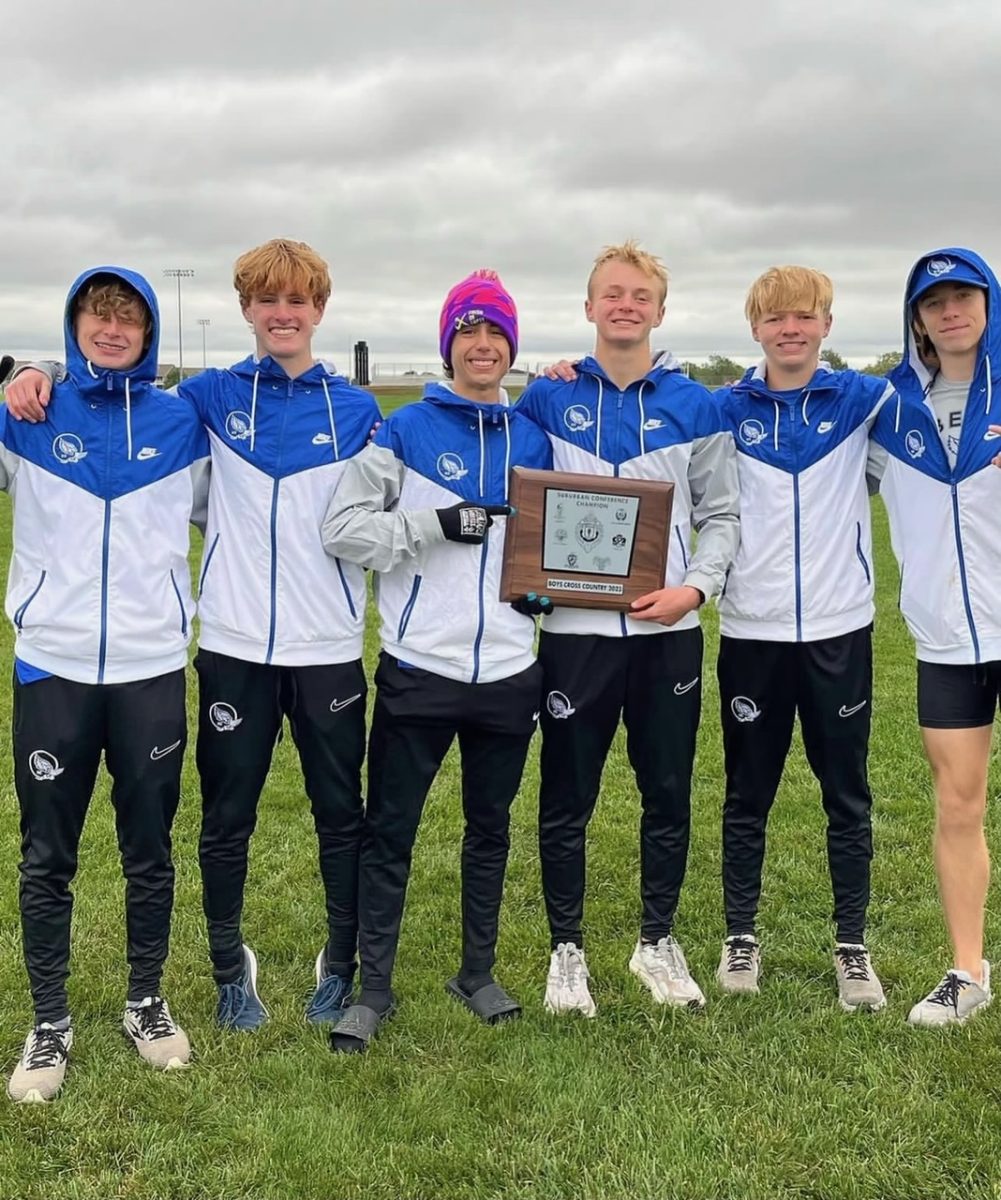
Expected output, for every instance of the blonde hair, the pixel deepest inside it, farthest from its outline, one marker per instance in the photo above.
(789, 289)
(281, 265)
(629, 252)
(107, 296)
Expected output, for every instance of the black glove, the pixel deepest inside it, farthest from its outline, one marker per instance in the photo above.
(532, 605)
(467, 522)
(6, 366)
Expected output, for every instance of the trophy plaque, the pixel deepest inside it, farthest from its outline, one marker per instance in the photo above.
(585, 541)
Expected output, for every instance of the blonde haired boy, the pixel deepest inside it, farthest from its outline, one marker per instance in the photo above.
(281, 621)
(622, 416)
(796, 616)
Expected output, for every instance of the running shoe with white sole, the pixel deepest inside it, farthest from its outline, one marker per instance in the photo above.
(858, 984)
(954, 1000)
(566, 984)
(662, 968)
(739, 964)
(239, 1004)
(39, 1074)
(156, 1035)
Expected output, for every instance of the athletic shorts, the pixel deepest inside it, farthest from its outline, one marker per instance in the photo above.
(958, 695)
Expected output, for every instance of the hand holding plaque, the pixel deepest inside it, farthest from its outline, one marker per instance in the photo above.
(588, 541)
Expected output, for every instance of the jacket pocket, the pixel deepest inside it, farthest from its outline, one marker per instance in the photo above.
(347, 591)
(408, 608)
(19, 614)
(205, 564)
(860, 553)
(180, 603)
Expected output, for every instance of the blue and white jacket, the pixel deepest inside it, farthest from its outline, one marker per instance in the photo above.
(804, 567)
(663, 426)
(99, 589)
(268, 592)
(438, 600)
(945, 524)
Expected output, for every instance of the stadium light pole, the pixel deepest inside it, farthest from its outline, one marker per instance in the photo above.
(205, 323)
(179, 273)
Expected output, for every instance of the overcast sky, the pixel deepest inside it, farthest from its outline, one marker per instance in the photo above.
(412, 142)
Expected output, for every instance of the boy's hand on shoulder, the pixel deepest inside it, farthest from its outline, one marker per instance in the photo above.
(667, 605)
(562, 371)
(27, 396)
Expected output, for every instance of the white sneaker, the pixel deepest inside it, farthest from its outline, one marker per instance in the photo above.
(739, 964)
(159, 1039)
(661, 966)
(955, 1000)
(39, 1074)
(858, 984)
(566, 983)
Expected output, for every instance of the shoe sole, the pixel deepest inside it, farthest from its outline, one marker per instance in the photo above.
(694, 1004)
(730, 990)
(863, 1006)
(588, 1013)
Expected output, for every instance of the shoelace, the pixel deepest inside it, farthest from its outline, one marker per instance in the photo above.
(854, 963)
(668, 955)
(570, 965)
(740, 955)
(46, 1048)
(232, 1001)
(947, 992)
(329, 993)
(154, 1020)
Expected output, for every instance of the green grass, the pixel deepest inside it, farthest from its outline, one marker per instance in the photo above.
(780, 1095)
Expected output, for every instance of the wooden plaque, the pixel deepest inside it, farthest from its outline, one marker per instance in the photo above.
(585, 541)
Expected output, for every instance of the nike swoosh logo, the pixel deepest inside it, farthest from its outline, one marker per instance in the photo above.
(146, 452)
(990, 435)
(681, 688)
(337, 705)
(322, 439)
(156, 753)
(848, 712)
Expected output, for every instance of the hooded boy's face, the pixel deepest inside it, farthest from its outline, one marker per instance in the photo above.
(115, 341)
(953, 315)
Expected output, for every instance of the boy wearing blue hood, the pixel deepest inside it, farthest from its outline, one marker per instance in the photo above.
(796, 617)
(425, 507)
(621, 416)
(281, 623)
(942, 495)
(99, 594)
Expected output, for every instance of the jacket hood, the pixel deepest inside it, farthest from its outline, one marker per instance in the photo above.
(442, 393)
(664, 363)
(81, 370)
(754, 381)
(912, 377)
(268, 368)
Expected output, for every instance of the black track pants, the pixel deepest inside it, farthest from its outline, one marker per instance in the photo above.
(240, 710)
(60, 729)
(762, 687)
(654, 683)
(417, 716)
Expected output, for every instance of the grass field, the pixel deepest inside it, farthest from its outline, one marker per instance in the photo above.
(780, 1095)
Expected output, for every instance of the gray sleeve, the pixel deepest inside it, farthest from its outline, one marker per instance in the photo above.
(875, 466)
(715, 491)
(55, 371)
(201, 472)
(363, 524)
(8, 468)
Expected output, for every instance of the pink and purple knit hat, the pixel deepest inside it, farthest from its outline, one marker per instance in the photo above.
(477, 298)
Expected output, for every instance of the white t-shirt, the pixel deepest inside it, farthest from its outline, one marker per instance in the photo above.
(948, 400)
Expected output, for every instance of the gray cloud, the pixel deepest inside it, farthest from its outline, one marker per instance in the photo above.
(411, 143)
